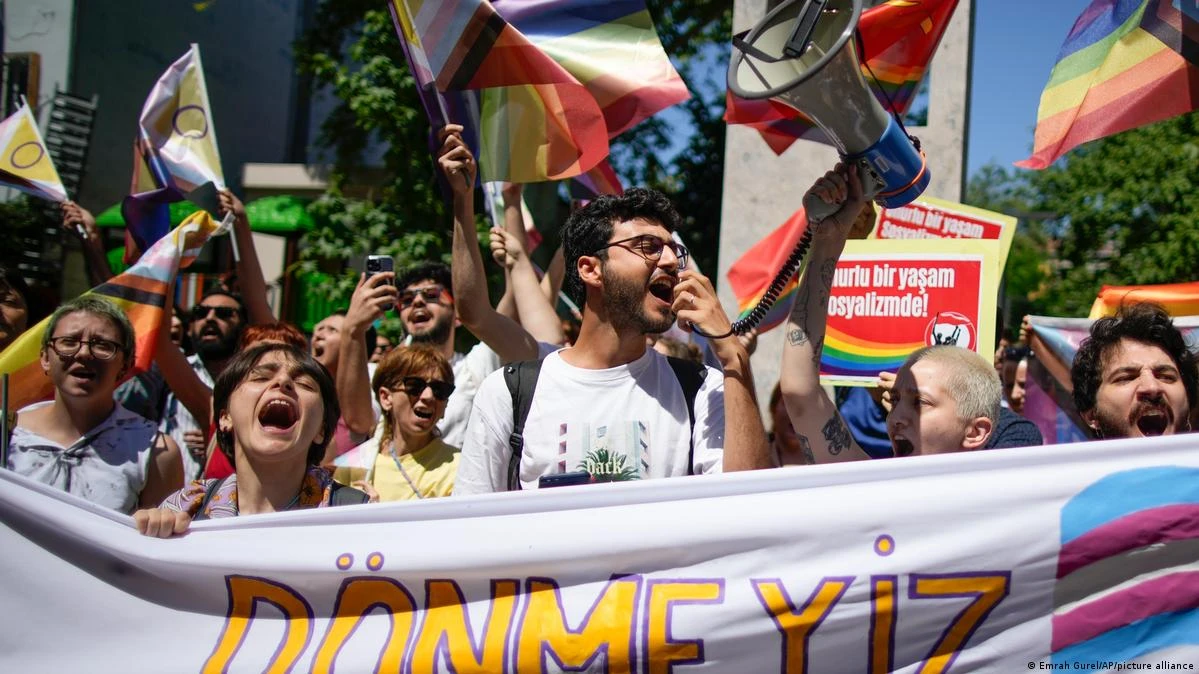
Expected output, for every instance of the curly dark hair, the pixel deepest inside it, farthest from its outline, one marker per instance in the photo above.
(1144, 322)
(590, 227)
(424, 271)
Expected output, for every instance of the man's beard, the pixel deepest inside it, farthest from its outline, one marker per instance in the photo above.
(437, 335)
(625, 303)
(1108, 427)
(218, 350)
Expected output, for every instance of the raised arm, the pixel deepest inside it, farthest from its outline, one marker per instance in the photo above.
(249, 271)
(823, 435)
(745, 444)
(535, 313)
(79, 221)
(370, 299)
(505, 336)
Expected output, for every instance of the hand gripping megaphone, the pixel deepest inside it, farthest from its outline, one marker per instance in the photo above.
(803, 54)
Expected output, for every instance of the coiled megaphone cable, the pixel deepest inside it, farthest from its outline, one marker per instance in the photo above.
(755, 316)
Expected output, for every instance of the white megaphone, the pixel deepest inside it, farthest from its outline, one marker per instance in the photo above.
(803, 54)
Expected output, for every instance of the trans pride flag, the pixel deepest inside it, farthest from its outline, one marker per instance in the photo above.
(752, 273)
(175, 154)
(140, 291)
(1126, 587)
(898, 40)
(1125, 63)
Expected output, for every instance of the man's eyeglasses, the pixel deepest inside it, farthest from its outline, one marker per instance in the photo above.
(201, 311)
(101, 349)
(431, 295)
(414, 386)
(650, 247)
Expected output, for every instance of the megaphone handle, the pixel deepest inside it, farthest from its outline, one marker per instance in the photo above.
(816, 209)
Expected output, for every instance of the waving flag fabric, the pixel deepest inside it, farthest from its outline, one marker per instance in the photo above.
(610, 47)
(752, 273)
(140, 291)
(537, 122)
(175, 155)
(1125, 63)
(24, 163)
(1178, 299)
(898, 40)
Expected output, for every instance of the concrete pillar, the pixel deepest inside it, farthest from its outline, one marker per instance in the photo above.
(761, 190)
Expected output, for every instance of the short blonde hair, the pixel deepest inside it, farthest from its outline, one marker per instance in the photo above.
(970, 380)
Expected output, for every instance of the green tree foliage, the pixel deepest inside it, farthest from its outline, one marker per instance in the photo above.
(351, 51)
(1122, 210)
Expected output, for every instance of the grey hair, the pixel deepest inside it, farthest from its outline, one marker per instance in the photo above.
(970, 380)
(96, 305)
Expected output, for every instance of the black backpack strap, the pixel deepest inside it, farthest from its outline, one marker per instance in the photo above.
(209, 491)
(341, 495)
(691, 377)
(521, 379)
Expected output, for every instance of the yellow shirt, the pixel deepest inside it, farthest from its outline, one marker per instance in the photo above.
(431, 469)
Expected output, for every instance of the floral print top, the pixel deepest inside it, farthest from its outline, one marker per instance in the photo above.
(316, 491)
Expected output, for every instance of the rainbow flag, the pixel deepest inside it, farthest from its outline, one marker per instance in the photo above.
(175, 154)
(849, 356)
(537, 122)
(1178, 299)
(898, 40)
(24, 163)
(610, 47)
(141, 291)
(600, 180)
(752, 273)
(1125, 63)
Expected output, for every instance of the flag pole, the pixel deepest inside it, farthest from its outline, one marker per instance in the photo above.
(5, 431)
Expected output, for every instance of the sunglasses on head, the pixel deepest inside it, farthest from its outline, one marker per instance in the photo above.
(414, 386)
(431, 295)
(201, 311)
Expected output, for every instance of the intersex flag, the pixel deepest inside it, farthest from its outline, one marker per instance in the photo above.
(897, 41)
(1178, 299)
(537, 122)
(175, 154)
(1125, 64)
(24, 163)
(753, 272)
(141, 291)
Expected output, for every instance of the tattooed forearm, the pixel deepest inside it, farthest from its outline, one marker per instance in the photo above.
(797, 337)
(836, 433)
(805, 448)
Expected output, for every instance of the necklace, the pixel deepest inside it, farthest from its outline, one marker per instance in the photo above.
(403, 472)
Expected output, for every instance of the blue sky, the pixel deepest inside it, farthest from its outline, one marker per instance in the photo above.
(1015, 46)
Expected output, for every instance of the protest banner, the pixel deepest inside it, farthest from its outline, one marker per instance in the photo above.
(890, 298)
(955, 563)
(931, 218)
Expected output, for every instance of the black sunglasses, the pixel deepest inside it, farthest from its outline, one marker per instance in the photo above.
(414, 386)
(201, 311)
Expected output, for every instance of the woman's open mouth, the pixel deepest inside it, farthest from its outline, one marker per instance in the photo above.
(278, 415)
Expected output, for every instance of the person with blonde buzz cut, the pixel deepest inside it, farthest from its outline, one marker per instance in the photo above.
(944, 398)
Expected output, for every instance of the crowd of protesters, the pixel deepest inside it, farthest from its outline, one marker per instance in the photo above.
(241, 414)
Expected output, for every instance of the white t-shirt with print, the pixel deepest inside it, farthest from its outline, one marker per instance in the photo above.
(623, 423)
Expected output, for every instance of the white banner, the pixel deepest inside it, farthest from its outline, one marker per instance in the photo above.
(1073, 557)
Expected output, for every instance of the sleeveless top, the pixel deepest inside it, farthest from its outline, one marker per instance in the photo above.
(106, 466)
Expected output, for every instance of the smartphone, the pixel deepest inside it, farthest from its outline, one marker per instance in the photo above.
(564, 479)
(380, 263)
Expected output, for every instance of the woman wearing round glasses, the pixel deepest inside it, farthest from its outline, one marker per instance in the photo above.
(83, 442)
(408, 460)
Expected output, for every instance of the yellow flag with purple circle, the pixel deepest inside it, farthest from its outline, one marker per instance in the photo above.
(24, 162)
